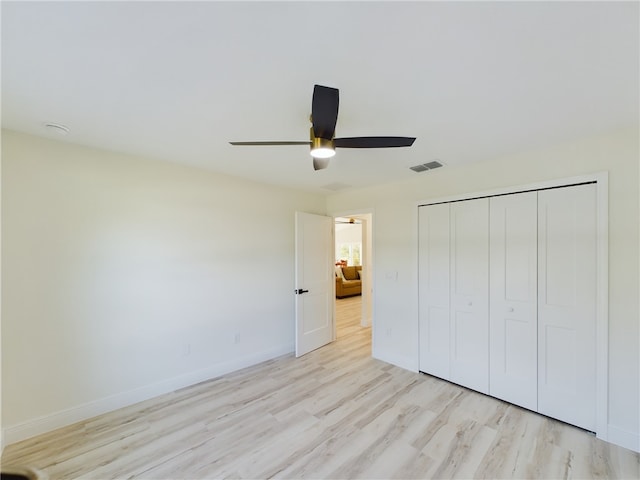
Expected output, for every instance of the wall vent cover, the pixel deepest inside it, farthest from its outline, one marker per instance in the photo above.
(432, 165)
(426, 166)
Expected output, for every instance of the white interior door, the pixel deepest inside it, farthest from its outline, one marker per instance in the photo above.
(469, 341)
(433, 286)
(567, 304)
(314, 249)
(513, 322)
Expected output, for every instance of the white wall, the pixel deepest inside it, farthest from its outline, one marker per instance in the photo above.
(395, 239)
(1, 430)
(124, 278)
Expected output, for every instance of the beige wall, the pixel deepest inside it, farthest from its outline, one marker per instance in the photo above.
(1, 419)
(123, 278)
(395, 243)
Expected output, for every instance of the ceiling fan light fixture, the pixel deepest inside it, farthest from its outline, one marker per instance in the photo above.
(322, 148)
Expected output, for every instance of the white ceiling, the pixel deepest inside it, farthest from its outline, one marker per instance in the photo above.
(178, 80)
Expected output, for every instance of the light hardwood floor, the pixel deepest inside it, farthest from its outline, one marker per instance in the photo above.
(334, 413)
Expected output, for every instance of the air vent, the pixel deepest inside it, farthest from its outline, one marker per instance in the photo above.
(432, 165)
(426, 166)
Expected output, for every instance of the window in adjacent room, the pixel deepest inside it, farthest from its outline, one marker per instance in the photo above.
(351, 252)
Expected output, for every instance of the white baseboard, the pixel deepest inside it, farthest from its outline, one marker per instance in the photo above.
(47, 423)
(623, 438)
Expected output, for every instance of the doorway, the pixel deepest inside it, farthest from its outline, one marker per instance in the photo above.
(353, 250)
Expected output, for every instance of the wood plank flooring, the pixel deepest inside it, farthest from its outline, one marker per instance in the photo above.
(334, 413)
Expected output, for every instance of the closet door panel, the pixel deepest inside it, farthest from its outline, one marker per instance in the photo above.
(513, 299)
(567, 304)
(469, 294)
(433, 285)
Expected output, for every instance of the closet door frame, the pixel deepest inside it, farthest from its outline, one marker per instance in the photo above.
(601, 179)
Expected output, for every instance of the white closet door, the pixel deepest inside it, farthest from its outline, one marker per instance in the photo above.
(513, 299)
(470, 294)
(433, 284)
(567, 304)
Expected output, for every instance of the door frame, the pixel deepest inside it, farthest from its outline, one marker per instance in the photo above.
(601, 180)
(368, 252)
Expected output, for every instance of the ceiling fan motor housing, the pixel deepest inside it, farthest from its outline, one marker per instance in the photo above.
(322, 147)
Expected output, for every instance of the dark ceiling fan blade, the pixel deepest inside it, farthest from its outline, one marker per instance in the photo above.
(324, 111)
(320, 163)
(373, 142)
(269, 143)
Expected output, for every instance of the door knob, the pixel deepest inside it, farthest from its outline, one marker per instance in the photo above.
(510, 309)
(300, 290)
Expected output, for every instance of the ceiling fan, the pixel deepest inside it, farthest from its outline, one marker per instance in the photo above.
(324, 114)
(348, 221)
